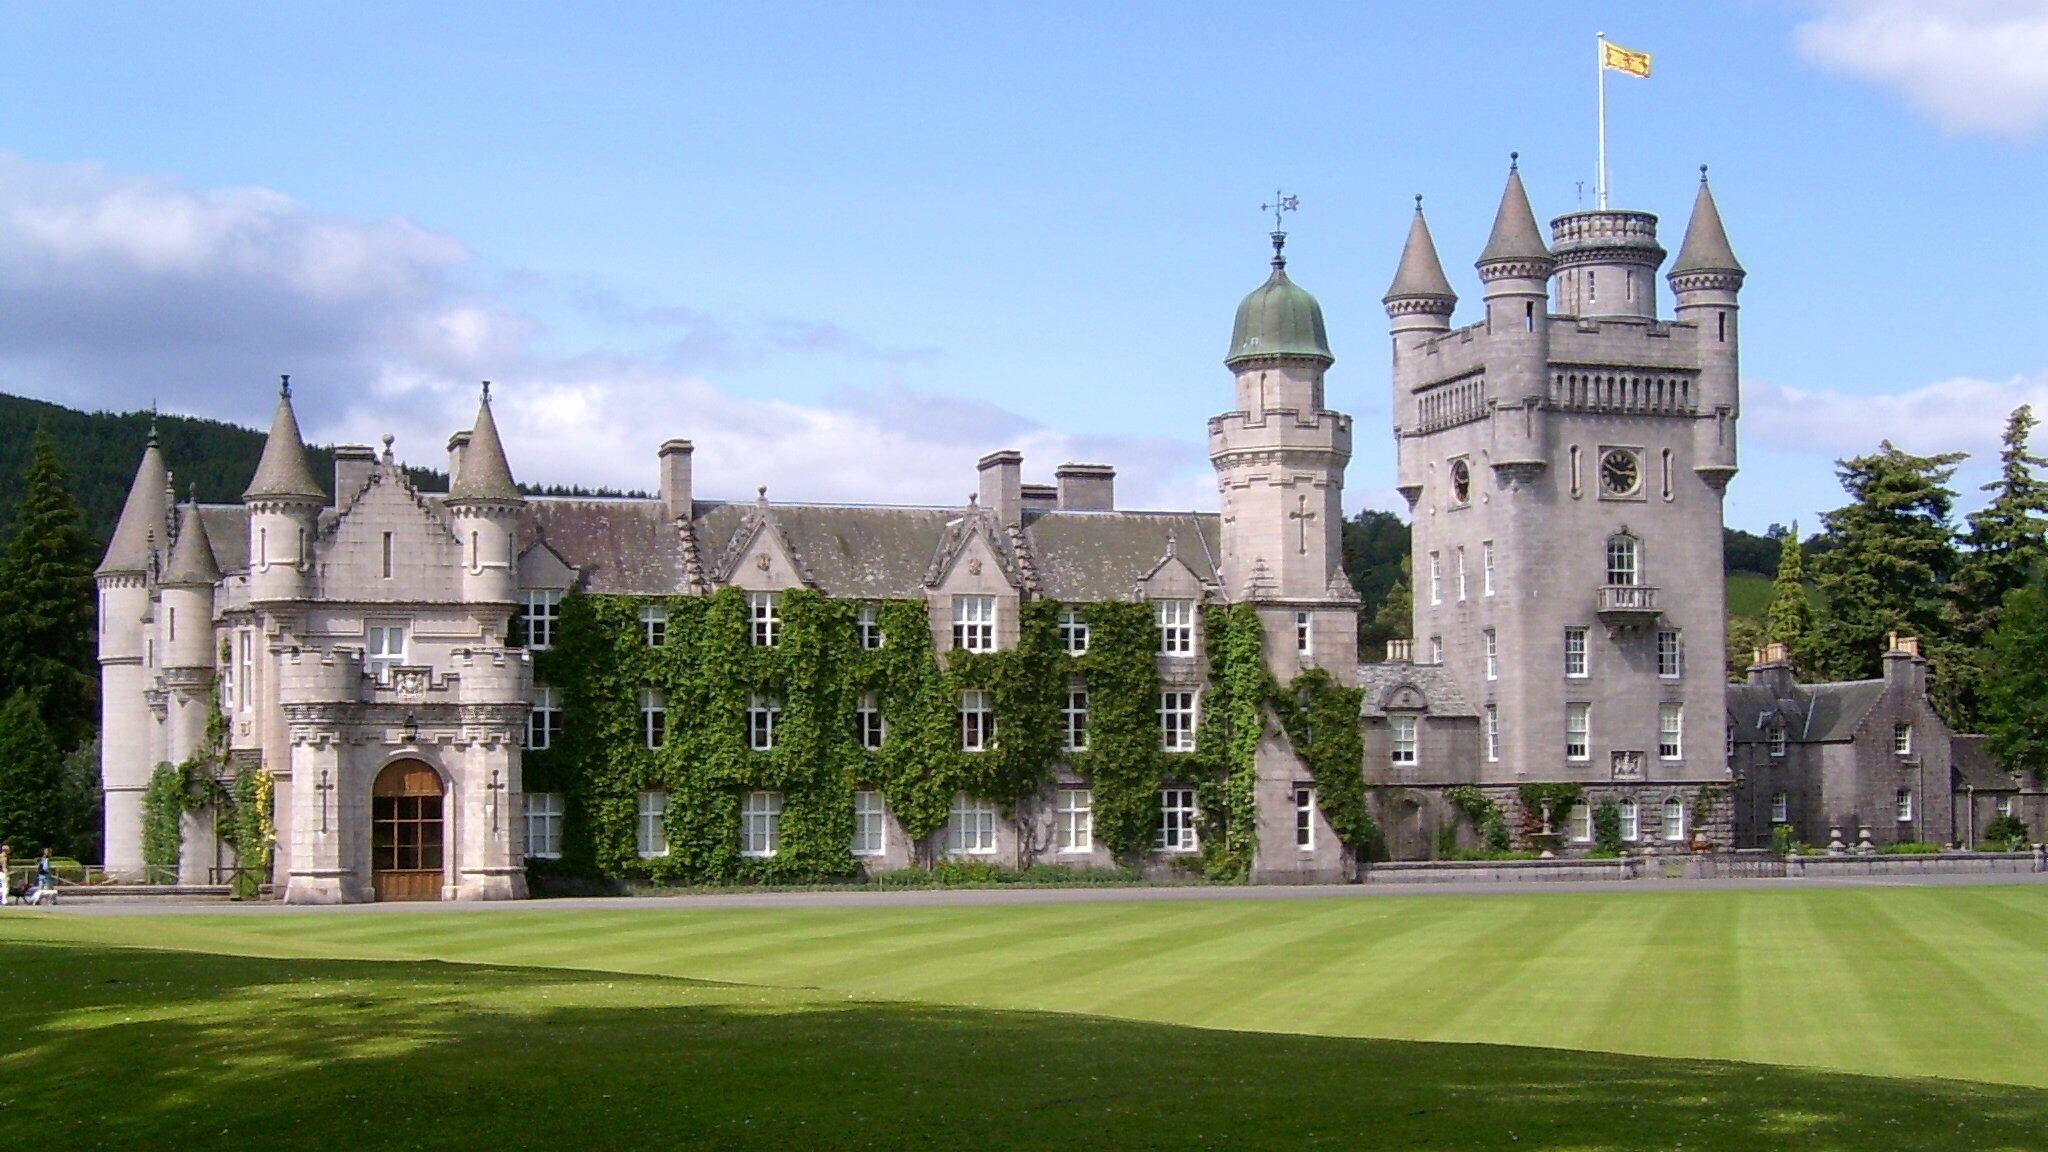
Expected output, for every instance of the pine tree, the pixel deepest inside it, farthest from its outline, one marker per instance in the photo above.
(1789, 618)
(31, 778)
(2007, 539)
(1395, 619)
(46, 603)
(1893, 556)
(2015, 690)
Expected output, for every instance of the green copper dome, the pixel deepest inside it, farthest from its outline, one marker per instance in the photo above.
(1279, 318)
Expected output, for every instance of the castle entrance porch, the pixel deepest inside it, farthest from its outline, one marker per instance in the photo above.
(407, 833)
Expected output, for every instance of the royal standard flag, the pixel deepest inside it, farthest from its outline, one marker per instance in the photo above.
(1622, 60)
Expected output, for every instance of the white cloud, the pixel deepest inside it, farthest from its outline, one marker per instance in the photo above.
(116, 290)
(1971, 65)
(1959, 415)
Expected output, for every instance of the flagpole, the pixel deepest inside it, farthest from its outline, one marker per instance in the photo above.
(1600, 78)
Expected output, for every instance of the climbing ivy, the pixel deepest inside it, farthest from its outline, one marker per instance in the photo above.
(1232, 721)
(244, 817)
(1321, 718)
(1484, 813)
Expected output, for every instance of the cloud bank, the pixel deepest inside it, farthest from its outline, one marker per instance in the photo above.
(1970, 65)
(1959, 415)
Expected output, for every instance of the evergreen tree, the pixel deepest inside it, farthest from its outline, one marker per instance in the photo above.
(1789, 618)
(2015, 690)
(1745, 636)
(1395, 619)
(2008, 538)
(46, 604)
(1894, 552)
(31, 778)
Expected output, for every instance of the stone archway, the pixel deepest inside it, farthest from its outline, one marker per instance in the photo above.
(408, 832)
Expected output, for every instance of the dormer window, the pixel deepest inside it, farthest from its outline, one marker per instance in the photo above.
(1176, 627)
(764, 618)
(869, 625)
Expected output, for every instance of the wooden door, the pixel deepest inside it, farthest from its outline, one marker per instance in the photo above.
(406, 832)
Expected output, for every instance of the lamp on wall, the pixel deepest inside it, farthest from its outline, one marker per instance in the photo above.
(411, 731)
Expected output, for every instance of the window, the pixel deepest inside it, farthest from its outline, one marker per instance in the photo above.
(763, 712)
(1492, 643)
(544, 825)
(2002, 805)
(1176, 820)
(1905, 808)
(760, 824)
(1578, 823)
(1781, 808)
(1436, 578)
(1177, 720)
(1578, 731)
(544, 721)
(1176, 627)
(1668, 490)
(226, 694)
(1493, 734)
(383, 649)
(870, 824)
(1305, 817)
(1073, 632)
(974, 623)
(1671, 731)
(653, 717)
(1670, 654)
(977, 721)
(1592, 293)
(1621, 559)
(1528, 317)
(654, 625)
(1486, 568)
(868, 626)
(245, 684)
(1674, 819)
(388, 552)
(1631, 822)
(650, 825)
(1436, 649)
(1405, 746)
(971, 826)
(1730, 731)
(764, 618)
(1721, 327)
(1461, 575)
(171, 625)
(1074, 718)
(1777, 741)
(1074, 819)
(1304, 633)
(1575, 652)
(868, 718)
(1902, 739)
(1461, 481)
(1577, 485)
(542, 612)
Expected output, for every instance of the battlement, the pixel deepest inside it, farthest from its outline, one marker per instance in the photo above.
(1577, 235)
(491, 675)
(325, 676)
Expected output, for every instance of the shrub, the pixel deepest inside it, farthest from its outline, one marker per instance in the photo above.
(1783, 842)
(1607, 829)
(2007, 832)
(1910, 849)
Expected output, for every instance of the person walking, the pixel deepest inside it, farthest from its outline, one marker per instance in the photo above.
(46, 881)
(6, 854)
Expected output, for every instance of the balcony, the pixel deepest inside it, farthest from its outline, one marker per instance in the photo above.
(1627, 606)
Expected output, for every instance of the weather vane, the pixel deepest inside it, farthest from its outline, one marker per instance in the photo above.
(1282, 202)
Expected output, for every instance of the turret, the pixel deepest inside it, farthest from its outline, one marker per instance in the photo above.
(187, 586)
(1516, 267)
(1705, 281)
(484, 503)
(284, 504)
(1420, 298)
(125, 720)
(1607, 263)
(1279, 348)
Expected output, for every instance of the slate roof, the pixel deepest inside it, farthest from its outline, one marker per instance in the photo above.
(1434, 680)
(143, 516)
(192, 560)
(1971, 761)
(1814, 714)
(1706, 243)
(284, 470)
(1092, 556)
(484, 474)
(1515, 235)
(620, 546)
(227, 531)
(1421, 274)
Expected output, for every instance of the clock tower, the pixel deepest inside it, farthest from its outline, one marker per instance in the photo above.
(1565, 457)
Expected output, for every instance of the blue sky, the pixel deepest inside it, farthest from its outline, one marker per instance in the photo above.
(847, 249)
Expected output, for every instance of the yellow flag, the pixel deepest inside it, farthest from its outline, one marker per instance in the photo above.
(1622, 60)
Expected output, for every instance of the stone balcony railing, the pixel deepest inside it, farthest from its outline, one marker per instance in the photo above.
(1622, 604)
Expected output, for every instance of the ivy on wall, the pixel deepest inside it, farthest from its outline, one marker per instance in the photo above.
(1321, 718)
(244, 810)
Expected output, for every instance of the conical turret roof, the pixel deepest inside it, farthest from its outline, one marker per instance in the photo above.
(485, 474)
(192, 559)
(1706, 243)
(1421, 274)
(142, 516)
(1279, 318)
(283, 471)
(1515, 235)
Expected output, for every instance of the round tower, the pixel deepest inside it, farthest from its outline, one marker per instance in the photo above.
(1607, 263)
(125, 720)
(284, 503)
(1706, 280)
(1419, 304)
(1515, 267)
(484, 505)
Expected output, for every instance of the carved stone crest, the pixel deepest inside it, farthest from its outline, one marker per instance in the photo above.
(1628, 765)
(411, 683)
(761, 561)
(974, 567)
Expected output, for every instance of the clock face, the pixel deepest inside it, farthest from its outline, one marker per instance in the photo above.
(1620, 472)
(1461, 481)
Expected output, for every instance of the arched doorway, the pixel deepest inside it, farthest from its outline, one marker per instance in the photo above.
(406, 832)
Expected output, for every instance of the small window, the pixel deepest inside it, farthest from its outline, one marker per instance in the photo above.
(1905, 805)
(764, 618)
(170, 625)
(1577, 480)
(1592, 291)
(971, 826)
(1670, 654)
(1781, 808)
(654, 625)
(2002, 805)
(1902, 739)
(1073, 632)
(1621, 560)
(388, 554)
(1436, 578)
(1631, 821)
(868, 626)
(1176, 627)
(870, 824)
(1575, 664)
(974, 623)
(764, 712)
(1528, 317)
(1176, 820)
(873, 730)
(245, 684)
(977, 721)
(544, 720)
(1074, 719)
(1674, 819)
(761, 824)
(544, 825)
(1304, 634)
(1778, 741)
(1578, 823)
(1721, 327)
(651, 824)
(1305, 817)
(1578, 731)
(1177, 720)
(1492, 734)
(1406, 746)
(383, 649)
(1074, 819)
(543, 611)
(653, 718)
(1730, 734)
(1461, 575)
(1491, 640)
(1486, 583)
(1671, 731)
(1629, 286)
(1436, 649)
(1669, 476)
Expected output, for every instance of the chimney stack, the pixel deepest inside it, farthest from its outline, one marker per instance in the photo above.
(457, 445)
(676, 498)
(1086, 487)
(1002, 485)
(352, 464)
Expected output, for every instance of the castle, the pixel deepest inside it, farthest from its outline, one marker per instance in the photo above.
(371, 653)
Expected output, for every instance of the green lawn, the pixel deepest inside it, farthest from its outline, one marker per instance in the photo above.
(1729, 1018)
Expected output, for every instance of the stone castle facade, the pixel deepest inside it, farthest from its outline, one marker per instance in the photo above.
(1564, 457)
